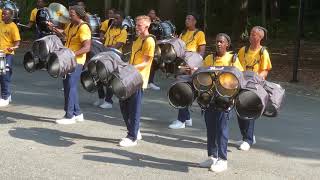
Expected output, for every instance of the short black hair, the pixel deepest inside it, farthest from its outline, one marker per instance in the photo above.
(194, 14)
(119, 12)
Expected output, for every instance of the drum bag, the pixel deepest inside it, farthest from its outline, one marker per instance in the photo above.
(127, 80)
(43, 46)
(276, 96)
(61, 62)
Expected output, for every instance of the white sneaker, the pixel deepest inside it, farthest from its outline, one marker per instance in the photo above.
(66, 121)
(177, 125)
(153, 86)
(241, 141)
(244, 146)
(208, 163)
(79, 118)
(219, 166)
(98, 102)
(4, 103)
(189, 122)
(139, 136)
(106, 105)
(126, 142)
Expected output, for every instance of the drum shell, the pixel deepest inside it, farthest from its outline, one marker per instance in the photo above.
(185, 95)
(61, 62)
(162, 30)
(251, 101)
(126, 81)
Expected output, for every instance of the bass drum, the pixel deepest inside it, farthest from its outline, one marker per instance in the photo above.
(13, 6)
(94, 23)
(126, 81)
(162, 30)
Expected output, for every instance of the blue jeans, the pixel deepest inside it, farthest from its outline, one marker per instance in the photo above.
(131, 112)
(247, 130)
(106, 95)
(217, 133)
(5, 79)
(184, 114)
(71, 97)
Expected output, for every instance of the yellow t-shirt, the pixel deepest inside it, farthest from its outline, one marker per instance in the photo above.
(138, 51)
(104, 25)
(192, 40)
(9, 33)
(114, 36)
(75, 35)
(33, 15)
(225, 60)
(252, 60)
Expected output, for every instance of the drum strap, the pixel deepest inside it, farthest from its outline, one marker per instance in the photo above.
(150, 35)
(232, 60)
(246, 49)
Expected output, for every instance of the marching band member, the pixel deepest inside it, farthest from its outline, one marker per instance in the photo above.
(9, 41)
(154, 18)
(78, 39)
(217, 121)
(253, 58)
(33, 15)
(141, 57)
(115, 37)
(196, 42)
(106, 23)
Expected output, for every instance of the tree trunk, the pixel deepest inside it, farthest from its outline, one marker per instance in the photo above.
(240, 19)
(264, 13)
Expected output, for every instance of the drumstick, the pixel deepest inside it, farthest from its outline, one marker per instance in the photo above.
(186, 67)
(19, 24)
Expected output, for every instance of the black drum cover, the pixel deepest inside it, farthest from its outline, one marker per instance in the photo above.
(61, 62)
(42, 17)
(96, 48)
(171, 49)
(94, 23)
(126, 81)
(129, 25)
(162, 30)
(181, 94)
(88, 82)
(193, 59)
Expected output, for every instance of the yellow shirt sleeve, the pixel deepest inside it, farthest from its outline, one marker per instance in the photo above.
(33, 15)
(200, 38)
(0, 15)
(148, 47)
(15, 35)
(265, 63)
(84, 33)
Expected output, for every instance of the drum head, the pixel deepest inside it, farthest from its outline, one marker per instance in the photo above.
(181, 95)
(88, 82)
(249, 105)
(53, 65)
(29, 62)
(203, 81)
